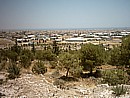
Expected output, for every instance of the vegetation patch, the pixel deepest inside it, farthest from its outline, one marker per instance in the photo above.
(39, 68)
(13, 70)
(114, 77)
(119, 90)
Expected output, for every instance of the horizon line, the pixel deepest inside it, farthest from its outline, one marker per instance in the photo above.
(92, 28)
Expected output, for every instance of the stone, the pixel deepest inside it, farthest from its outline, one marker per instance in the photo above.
(24, 96)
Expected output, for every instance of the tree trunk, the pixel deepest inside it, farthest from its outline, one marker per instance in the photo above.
(67, 72)
(91, 71)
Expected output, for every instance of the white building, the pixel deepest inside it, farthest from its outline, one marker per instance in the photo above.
(76, 39)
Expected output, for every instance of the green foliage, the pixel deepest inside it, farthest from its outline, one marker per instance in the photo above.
(39, 55)
(48, 55)
(25, 58)
(13, 70)
(125, 51)
(39, 68)
(114, 77)
(107, 56)
(91, 56)
(76, 71)
(12, 55)
(16, 49)
(45, 55)
(119, 90)
(25, 61)
(93, 53)
(69, 62)
(28, 53)
(120, 56)
(115, 56)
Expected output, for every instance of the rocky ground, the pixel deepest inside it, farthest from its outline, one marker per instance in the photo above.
(29, 85)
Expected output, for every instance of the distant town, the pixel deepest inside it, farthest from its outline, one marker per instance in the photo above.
(66, 39)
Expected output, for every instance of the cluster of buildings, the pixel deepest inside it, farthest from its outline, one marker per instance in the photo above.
(68, 38)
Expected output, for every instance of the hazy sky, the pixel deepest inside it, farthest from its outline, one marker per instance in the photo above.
(37, 14)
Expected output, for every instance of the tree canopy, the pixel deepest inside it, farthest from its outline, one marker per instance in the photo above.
(69, 62)
(125, 51)
(121, 55)
(45, 55)
(91, 56)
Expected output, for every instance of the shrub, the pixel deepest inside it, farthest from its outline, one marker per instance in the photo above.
(13, 70)
(119, 90)
(39, 68)
(25, 61)
(114, 77)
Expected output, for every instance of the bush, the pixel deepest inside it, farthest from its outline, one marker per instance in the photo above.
(39, 68)
(114, 77)
(119, 90)
(14, 71)
(25, 61)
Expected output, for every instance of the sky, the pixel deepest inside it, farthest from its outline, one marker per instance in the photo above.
(40, 14)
